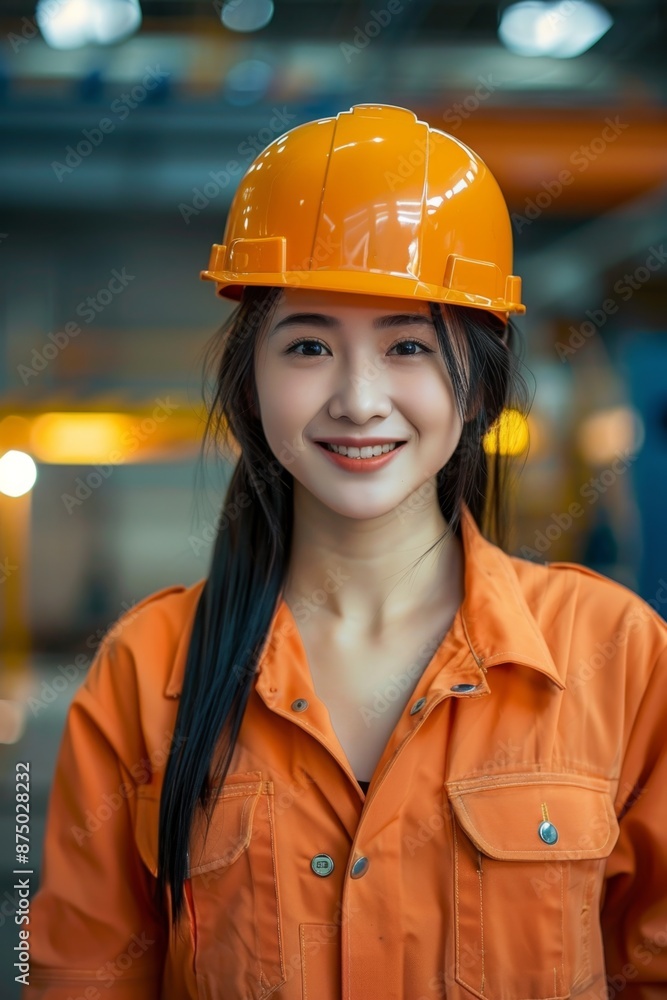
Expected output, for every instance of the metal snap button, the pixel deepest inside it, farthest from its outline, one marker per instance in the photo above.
(322, 864)
(419, 704)
(359, 868)
(462, 688)
(548, 832)
(299, 705)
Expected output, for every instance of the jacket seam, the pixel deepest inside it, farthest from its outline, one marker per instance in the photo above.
(547, 778)
(475, 772)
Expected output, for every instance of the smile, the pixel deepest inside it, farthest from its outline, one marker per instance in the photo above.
(366, 459)
(366, 452)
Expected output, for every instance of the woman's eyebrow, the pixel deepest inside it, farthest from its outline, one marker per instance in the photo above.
(331, 322)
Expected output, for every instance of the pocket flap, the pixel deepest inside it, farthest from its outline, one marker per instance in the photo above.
(502, 815)
(222, 841)
(228, 834)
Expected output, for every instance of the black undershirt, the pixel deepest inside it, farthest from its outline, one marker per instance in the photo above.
(364, 786)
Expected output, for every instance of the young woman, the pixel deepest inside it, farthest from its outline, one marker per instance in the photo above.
(371, 755)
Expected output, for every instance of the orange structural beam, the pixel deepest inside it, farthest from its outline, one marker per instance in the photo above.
(578, 162)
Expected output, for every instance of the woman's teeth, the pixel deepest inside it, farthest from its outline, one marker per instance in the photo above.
(366, 452)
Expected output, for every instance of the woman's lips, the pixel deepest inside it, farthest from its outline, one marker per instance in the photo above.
(360, 464)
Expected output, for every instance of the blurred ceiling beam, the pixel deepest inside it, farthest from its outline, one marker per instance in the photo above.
(527, 151)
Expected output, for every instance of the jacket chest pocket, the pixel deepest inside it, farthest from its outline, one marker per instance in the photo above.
(232, 893)
(529, 858)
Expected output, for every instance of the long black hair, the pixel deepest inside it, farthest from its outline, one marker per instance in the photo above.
(252, 545)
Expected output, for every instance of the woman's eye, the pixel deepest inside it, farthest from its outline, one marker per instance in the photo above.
(292, 348)
(423, 347)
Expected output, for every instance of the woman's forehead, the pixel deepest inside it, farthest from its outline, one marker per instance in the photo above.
(314, 300)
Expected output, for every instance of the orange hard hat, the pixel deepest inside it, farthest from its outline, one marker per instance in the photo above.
(372, 201)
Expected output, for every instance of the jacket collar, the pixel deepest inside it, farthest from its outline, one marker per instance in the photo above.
(499, 626)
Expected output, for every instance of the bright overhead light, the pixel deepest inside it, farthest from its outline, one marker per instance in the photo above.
(246, 15)
(70, 24)
(18, 473)
(561, 30)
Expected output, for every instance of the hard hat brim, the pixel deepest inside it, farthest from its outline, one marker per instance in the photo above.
(230, 285)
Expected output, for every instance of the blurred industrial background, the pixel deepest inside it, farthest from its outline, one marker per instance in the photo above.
(125, 128)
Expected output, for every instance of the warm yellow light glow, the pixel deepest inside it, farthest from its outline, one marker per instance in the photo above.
(80, 438)
(603, 434)
(18, 473)
(14, 432)
(12, 721)
(508, 435)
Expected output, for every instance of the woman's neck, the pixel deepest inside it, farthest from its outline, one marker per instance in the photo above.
(365, 573)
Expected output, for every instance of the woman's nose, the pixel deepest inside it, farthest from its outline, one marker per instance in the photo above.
(361, 391)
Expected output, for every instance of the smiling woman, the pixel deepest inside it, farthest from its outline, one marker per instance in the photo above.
(370, 381)
(357, 624)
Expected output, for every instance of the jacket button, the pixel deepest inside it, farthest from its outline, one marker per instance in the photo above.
(299, 705)
(322, 864)
(548, 833)
(419, 704)
(359, 868)
(462, 688)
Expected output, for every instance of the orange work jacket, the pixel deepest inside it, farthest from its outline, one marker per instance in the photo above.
(512, 844)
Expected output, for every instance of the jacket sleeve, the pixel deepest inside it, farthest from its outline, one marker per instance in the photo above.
(634, 907)
(94, 930)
